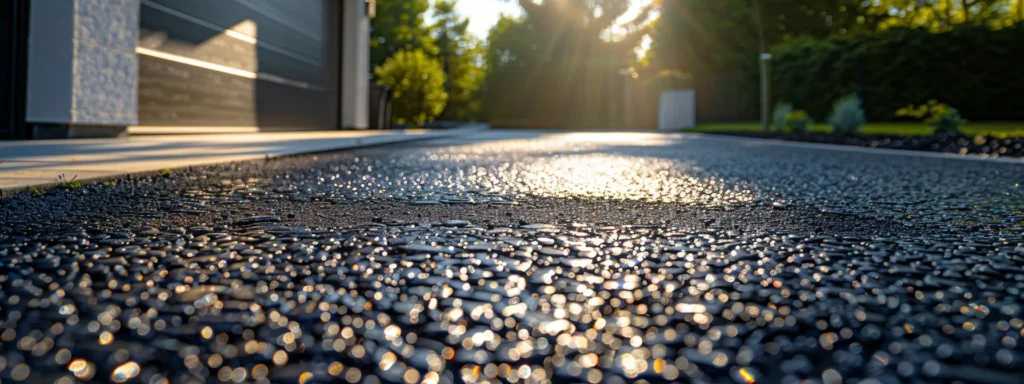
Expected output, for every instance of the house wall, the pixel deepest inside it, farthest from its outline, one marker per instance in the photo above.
(82, 67)
(97, 67)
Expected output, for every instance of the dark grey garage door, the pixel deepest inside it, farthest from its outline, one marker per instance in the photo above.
(265, 63)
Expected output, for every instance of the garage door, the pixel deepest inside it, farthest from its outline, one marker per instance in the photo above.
(238, 63)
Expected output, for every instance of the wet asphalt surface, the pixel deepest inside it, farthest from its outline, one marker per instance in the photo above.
(524, 257)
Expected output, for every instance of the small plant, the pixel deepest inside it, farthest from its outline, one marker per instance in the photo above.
(949, 124)
(847, 115)
(35, 191)
(779, 115)
(942, 118)
(166, 172)
(798, 121)
(69, 183)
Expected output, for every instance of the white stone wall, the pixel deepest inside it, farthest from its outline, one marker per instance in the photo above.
(83, 69)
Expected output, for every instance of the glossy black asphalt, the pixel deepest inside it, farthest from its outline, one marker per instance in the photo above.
(522, 256)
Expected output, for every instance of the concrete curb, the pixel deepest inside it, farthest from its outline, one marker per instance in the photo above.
(25, 165)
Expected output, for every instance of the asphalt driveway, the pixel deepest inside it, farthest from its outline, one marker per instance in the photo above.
(525, 256)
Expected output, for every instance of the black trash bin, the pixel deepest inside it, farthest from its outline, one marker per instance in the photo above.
(381, 97)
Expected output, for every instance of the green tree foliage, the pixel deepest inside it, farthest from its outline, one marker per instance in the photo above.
(722, 35)
(788, 19)
(701, 36)
(785, 20)
(399, 25)
(461, 56)
(943, 15)
(970, 67)
(561, 65)
(418, 83)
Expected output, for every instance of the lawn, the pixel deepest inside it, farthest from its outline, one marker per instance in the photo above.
(993, 129)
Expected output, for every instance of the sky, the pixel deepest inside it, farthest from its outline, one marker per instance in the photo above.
(483, 14)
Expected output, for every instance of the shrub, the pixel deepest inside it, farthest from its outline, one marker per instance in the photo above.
(847, 115)
(941, 117)
(779, 115)
(798, 121)
(418, 83)
(971, 67)
(949, 124)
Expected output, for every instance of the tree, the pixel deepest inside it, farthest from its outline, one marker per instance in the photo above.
(399, 25)
(461, 56)
(942, 15)
(715, 31)
(704, 36)
(560, 65)
(789, 19)
(418, 83)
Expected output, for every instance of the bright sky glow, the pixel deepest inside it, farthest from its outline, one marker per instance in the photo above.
(483, 14)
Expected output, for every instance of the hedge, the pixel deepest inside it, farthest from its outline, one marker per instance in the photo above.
(974, 69)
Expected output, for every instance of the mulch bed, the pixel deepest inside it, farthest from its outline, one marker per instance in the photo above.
(964, 145)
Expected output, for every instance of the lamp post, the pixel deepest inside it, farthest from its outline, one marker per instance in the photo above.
(766, 93)
(764, 61)
(628, 75)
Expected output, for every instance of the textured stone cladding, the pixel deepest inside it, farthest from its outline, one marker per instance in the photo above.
(105, 67)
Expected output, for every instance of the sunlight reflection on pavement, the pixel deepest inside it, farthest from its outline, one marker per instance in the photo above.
(218, 272)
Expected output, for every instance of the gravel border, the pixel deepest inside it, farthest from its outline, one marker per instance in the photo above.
(958, 144)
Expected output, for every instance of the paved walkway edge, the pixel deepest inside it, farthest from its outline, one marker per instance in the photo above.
(35, 165)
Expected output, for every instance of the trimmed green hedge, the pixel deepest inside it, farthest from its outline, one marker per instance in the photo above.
(974, 69)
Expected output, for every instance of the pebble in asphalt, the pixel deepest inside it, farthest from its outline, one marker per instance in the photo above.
(524, 257)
